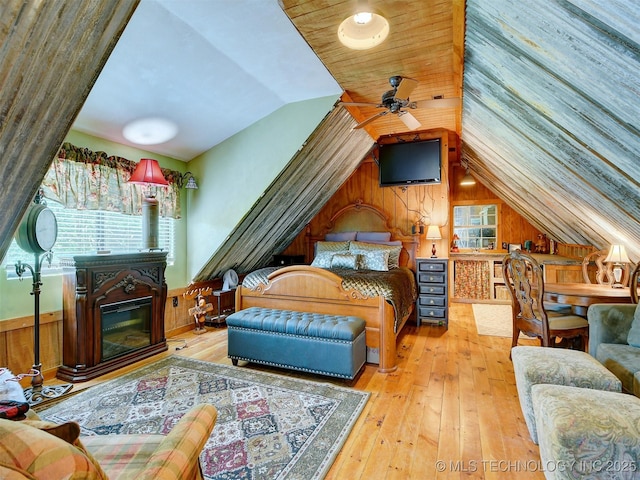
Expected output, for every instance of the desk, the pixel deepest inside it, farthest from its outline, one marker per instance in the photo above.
(581, 295)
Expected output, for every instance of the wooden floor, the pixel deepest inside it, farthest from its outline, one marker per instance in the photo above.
(451, 409)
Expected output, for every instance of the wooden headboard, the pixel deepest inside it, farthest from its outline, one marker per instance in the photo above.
(362, 217)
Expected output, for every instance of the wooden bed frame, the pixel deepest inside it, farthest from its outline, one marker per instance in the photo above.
(310, 289)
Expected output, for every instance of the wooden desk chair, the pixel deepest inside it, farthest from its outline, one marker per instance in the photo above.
(633, 283)
(524, 279)
(604, 270)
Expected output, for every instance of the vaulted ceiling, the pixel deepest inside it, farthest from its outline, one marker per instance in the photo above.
(548, 118)
(551, 114)
(550, 99)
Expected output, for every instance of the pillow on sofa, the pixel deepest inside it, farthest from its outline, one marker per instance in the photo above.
(36, 453)
(67, 431)
(633, 337)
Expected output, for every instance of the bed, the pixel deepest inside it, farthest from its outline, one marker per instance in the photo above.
(339, 291)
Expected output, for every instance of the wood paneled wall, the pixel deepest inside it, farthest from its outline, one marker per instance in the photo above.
(406, 206)
(16, 335)
(403, 206)
(512, 227)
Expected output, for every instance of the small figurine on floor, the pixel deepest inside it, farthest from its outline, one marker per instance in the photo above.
(199, 313)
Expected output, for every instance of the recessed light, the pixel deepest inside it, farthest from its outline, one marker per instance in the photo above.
(150, 131)
(363, 30)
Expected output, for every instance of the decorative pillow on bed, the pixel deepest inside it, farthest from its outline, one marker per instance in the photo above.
(335, 247)
(375, 260)
(323, 260)
(394, 249)
(373, 237)
(340, 236)
(345, 260)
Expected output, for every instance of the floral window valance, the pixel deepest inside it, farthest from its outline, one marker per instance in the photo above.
(85, 180)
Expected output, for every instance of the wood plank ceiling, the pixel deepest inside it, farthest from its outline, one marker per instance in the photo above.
(425, 43)
(335, 149)
(549, 118)
(317, 171)
(550, 94)
(551, 114)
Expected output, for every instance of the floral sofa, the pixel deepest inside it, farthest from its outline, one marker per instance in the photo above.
(35, 449)
(614, 340)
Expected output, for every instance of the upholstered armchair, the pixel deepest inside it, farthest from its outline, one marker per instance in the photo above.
(33, 448)
(614, 340)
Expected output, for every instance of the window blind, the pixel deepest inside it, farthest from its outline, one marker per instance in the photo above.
(90, 231)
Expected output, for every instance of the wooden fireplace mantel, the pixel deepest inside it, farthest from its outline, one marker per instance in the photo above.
(91, 281)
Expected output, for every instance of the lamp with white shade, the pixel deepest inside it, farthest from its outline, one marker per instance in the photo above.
(148, 173)
(433, 233)
(618, 256)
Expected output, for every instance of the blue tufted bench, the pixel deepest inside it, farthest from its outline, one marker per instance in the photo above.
(331, 345)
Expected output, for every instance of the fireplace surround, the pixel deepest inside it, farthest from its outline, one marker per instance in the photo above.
(113, 312)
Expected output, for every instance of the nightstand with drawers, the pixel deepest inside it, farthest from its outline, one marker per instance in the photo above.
(432, 303)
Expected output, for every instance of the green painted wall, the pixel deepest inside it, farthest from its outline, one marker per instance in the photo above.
(235, 173)
(15, 298)
(231, 177)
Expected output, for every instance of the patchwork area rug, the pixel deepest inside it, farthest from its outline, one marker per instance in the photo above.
(494, 320)
(269, 426)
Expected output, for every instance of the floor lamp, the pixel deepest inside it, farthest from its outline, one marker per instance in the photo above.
(148, 173)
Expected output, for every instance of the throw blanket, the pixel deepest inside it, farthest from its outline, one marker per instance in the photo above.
(397, 286)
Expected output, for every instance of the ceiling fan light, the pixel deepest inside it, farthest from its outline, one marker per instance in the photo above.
(362, 36)
(150, 131)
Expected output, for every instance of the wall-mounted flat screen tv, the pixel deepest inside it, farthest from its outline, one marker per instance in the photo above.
(410, 163)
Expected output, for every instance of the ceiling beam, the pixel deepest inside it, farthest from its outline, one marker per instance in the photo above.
(50, 56)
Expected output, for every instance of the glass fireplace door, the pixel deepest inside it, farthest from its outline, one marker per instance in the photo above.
(125, 327)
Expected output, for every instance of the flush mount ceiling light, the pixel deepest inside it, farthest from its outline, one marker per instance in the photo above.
(150, 131)
(366, 29)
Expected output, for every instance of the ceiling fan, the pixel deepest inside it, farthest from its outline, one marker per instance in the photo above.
(397, 100)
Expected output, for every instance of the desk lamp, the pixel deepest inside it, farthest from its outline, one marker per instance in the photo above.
(433, 233)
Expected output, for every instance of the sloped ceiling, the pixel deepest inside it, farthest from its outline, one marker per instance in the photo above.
(49, 60)
(549, 118)
(316, 172)
(425, 43)
(551, 114)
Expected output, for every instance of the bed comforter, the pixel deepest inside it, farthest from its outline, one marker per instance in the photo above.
(397, 286)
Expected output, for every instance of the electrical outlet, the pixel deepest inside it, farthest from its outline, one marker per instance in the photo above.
(175, 301)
